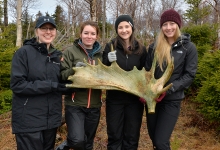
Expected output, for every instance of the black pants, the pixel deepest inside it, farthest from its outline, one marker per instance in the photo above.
(41, 140)
(82, 124)
(162, 122)
(123, 125)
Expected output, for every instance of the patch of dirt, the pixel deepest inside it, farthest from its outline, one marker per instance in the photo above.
(192, 132)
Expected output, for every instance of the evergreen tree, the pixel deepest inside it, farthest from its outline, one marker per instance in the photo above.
(197, 11)
(59, 17)
(25, 24)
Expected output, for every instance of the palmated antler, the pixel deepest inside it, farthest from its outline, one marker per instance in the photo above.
(138, 82)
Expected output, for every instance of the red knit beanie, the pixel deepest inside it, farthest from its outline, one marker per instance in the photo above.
(170, 15)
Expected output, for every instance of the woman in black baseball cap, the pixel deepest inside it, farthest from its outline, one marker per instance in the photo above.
(37, 91)
(45, 30)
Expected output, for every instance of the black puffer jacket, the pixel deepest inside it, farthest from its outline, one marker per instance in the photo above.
(35, 74)
(127, 63)
(185, 66)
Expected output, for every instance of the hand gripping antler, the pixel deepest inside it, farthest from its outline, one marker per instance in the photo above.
(138, 82)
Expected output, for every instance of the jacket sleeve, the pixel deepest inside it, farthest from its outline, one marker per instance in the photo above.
(189, 71)
(143, 57)
(149, 58)
(19, 83)
(67, 61)
(105, 60)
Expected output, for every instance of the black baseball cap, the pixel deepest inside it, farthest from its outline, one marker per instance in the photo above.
(45, 19)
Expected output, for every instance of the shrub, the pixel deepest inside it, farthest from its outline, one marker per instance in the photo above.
(7, 48)
(209, 97)
(208, 81)
(5, 101)
(204, 37)
(5, 68)
(202, 34)
(202, 49)
(207, 66)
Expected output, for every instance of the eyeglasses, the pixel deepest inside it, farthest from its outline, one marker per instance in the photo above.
(44, 29)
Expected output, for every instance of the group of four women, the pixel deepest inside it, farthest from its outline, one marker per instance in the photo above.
(38, 82)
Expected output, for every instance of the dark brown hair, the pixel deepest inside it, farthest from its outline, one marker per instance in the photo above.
(132, 40)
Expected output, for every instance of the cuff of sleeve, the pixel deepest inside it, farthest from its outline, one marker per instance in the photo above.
(170, 90)
(71, 72)
(54, 86)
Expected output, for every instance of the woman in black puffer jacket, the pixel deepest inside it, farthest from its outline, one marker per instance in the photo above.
(37, 97)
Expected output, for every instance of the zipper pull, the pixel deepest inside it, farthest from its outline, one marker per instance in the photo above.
(48, 58)
(127, 56)
(26, 101)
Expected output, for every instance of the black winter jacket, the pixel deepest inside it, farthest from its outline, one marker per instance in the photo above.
(127, 63)
(34, 78)
(185, 66)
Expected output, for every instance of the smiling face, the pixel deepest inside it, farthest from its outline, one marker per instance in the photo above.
(124, 30)
(169, 29)
(88, 36)
(46, 33)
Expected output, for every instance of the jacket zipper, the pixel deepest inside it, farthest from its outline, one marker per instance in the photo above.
(26, 102)
(92, 62)
(126, 60)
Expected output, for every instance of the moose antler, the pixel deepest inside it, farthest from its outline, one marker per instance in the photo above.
(138, 82)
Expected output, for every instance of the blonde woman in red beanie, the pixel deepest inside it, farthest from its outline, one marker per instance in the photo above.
(170, 43)
(124, 111)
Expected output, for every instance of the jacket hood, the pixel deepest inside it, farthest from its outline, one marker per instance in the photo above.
(41, 47)
(96, 46)
(183, 39)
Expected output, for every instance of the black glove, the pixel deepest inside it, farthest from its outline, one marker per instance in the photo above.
(61, 87)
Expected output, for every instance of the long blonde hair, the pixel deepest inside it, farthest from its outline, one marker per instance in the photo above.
(162, 48)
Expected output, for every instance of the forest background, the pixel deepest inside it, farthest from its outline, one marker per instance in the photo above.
(201, 108)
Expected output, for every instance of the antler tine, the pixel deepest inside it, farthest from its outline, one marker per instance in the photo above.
(169, 70)
(153, 67)
(166, 76)
(112, 49)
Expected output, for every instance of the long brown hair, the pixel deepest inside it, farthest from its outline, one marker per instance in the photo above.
(132, 40)
(162, 47)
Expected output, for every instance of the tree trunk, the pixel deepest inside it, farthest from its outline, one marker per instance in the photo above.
(103, 21)
(93, 10)
(18, 24)
(6, 12)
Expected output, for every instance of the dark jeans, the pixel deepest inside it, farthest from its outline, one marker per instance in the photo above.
(41, 140)
(123, 125)
(82, 124)
(161, 124)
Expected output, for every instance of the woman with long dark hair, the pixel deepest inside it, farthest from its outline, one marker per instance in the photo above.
(123, 110)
